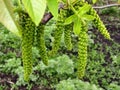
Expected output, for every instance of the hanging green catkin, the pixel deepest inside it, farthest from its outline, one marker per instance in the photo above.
(82, 45)
(67, 36)
(58, 33)
(67, 31)
(28, 29)
(82, 51)
(99, 24)
(78, 5)
(41, 43)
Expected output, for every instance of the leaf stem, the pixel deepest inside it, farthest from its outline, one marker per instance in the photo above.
(76, 13)
(73, 9)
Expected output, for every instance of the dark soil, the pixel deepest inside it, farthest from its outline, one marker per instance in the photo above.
(7, 80)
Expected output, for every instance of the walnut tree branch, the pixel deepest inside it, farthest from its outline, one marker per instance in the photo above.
(48, 16)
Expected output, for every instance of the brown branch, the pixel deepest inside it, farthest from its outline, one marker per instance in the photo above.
(46, 18)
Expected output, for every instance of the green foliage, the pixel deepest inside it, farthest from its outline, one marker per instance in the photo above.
(80, 15)
(94, 1)
(62, 65)
(75, 84)
(35, 9)
(20, 81)
(10, 64)
(77, 27)
(103, 68)
(114, 87)
(9, 45)
(53, 7)
(59, 68)
(6, 14)
(2, 87)
(112, 11)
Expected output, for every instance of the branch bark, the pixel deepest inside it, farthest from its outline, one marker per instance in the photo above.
(46, 18)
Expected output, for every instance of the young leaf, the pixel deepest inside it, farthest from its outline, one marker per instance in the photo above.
(70, 19)
(35, 9)
(77, 26)
(84, 9)
(53, 7)
(94, 1)
(7, 18)
(88, 17)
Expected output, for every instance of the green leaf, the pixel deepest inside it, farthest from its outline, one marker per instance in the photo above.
(94, 1)
(84, 9)
(35, 9)
(53, 7)
(70, 19)
(7, 16)
(88, 17)
(77, 26)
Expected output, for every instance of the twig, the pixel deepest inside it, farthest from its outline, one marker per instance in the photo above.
(46, 18)
(106, 6)
(10, 82)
